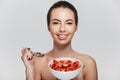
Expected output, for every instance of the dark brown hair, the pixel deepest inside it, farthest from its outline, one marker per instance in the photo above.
(63, 4)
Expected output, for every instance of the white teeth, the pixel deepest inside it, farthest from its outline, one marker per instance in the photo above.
(62, 36)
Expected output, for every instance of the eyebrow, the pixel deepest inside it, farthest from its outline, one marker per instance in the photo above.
(55, 20)
(69, 20)
(60, 21)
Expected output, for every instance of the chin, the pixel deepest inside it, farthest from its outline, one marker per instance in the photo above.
(63, 43)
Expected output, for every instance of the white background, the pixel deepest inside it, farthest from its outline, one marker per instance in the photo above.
(23, 24)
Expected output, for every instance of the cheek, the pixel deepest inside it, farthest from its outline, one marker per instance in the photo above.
(72, 30)
(53, 30)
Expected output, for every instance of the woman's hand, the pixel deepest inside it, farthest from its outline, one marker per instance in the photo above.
(27, 58)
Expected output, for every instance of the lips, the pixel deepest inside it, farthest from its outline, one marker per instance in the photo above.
(62, 36)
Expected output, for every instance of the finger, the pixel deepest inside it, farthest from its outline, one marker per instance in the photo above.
(26, 58)
(23, 54)
(26, 54)
(30, 57)
(23, 50)
(28, 50)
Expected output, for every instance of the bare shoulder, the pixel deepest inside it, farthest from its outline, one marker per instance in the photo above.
(90, 68)
(88, 59)
(39, 63)
(39, 60)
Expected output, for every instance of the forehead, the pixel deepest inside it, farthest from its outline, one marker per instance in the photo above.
(62, 13)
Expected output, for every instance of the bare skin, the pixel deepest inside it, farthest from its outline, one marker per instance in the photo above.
(41, 71)
(62, 28)
(28, 60)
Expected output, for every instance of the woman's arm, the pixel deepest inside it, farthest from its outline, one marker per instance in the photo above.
(28, 60)
(91, 69)
(37, 68)
(29, 74)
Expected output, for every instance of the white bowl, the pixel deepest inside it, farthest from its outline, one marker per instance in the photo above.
(66, 75)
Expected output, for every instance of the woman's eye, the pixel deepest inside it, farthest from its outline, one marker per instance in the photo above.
(70, 23)
(55, 23)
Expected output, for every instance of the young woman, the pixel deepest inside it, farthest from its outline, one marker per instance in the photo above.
(62, 22)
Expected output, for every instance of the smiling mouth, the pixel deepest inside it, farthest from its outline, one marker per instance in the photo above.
(62, 36)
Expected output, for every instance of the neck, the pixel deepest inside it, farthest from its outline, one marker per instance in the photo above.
(62, 50)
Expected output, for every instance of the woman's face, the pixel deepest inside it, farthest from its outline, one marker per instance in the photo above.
(62, 25)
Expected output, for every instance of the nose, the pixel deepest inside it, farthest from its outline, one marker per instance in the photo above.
(62, 28)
